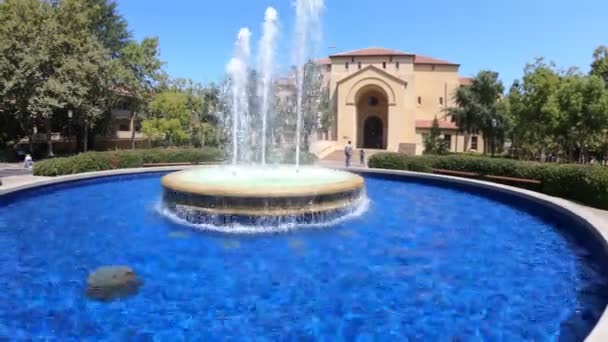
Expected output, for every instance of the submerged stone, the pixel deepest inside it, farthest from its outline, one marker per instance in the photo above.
(112, 282)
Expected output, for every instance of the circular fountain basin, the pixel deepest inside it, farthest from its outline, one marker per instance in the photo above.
(228, 194)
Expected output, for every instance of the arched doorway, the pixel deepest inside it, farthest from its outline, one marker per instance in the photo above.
(373, 133)
(372, 118)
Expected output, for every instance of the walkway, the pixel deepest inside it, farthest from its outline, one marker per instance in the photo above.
(14, 174)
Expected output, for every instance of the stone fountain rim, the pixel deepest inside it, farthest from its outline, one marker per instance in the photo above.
(584, 215)
(173, 182)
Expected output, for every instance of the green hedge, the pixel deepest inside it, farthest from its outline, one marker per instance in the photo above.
(98, 161)
(587, 184)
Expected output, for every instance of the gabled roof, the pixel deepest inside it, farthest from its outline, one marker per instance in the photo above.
(379, 52)
(373, 68)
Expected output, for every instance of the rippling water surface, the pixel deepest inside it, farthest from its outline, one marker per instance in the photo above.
(423, 262)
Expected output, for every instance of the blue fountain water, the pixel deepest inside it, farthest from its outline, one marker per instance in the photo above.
(424, 262)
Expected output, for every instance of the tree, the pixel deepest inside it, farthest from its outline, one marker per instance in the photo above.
(85, 67)
(478, 107)
(169, 119)
(583, 114)
(435, 142)
(488, 89)
(327, 113)
(311, 102)
(536, 110)
(110, 28)
(464, 115)
(138, 73)
(51, 61)
(23, 60)
(599, 66)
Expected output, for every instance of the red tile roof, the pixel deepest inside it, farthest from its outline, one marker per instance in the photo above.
(429, 123)
(465, 81)
(420, 59)
(373, 51)
(377, 51)
(323, 61)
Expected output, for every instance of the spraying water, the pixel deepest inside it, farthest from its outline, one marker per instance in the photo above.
(308, 34)
(238, 71)
(270, 32)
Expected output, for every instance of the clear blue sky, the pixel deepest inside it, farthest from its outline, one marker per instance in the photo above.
(197, 37)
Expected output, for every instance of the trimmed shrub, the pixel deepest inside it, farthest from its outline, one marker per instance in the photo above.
(587, 184)
(98, 161)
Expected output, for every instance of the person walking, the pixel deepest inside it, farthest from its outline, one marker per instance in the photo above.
(348, 153)
(362, 157)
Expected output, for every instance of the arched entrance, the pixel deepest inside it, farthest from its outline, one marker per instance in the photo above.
(373, 133)
(372, 118)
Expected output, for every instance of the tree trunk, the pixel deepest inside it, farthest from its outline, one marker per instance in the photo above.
(31, 142)
(85, 138)
(466, 142)
(49, 141)
(133, 130)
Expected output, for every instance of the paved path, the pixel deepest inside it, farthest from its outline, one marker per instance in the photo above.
(14, 174)
(18, 180)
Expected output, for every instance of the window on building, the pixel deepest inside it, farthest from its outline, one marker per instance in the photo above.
(419, 100)
(123, 127)
(397, 65)
(383, 65)
(352, 59)
(372, 101)
(346, 66)
(448, 141)
(359, 65)
(474, 141)
(441, 101)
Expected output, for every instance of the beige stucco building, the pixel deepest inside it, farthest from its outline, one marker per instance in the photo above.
(386, 99)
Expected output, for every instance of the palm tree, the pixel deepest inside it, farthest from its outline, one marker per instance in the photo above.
(478, 106)
(465, 114)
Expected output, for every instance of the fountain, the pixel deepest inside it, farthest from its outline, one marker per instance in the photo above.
(250, 191)
(267, 54)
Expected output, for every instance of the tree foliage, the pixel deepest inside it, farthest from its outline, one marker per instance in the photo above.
(478, 107)
(559, 115)
(169, 119)
(599, 66)
(435, 142)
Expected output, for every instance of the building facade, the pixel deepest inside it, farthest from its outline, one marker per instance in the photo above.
(386, 100)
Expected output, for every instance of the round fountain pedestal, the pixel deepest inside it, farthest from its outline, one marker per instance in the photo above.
(261, 195)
